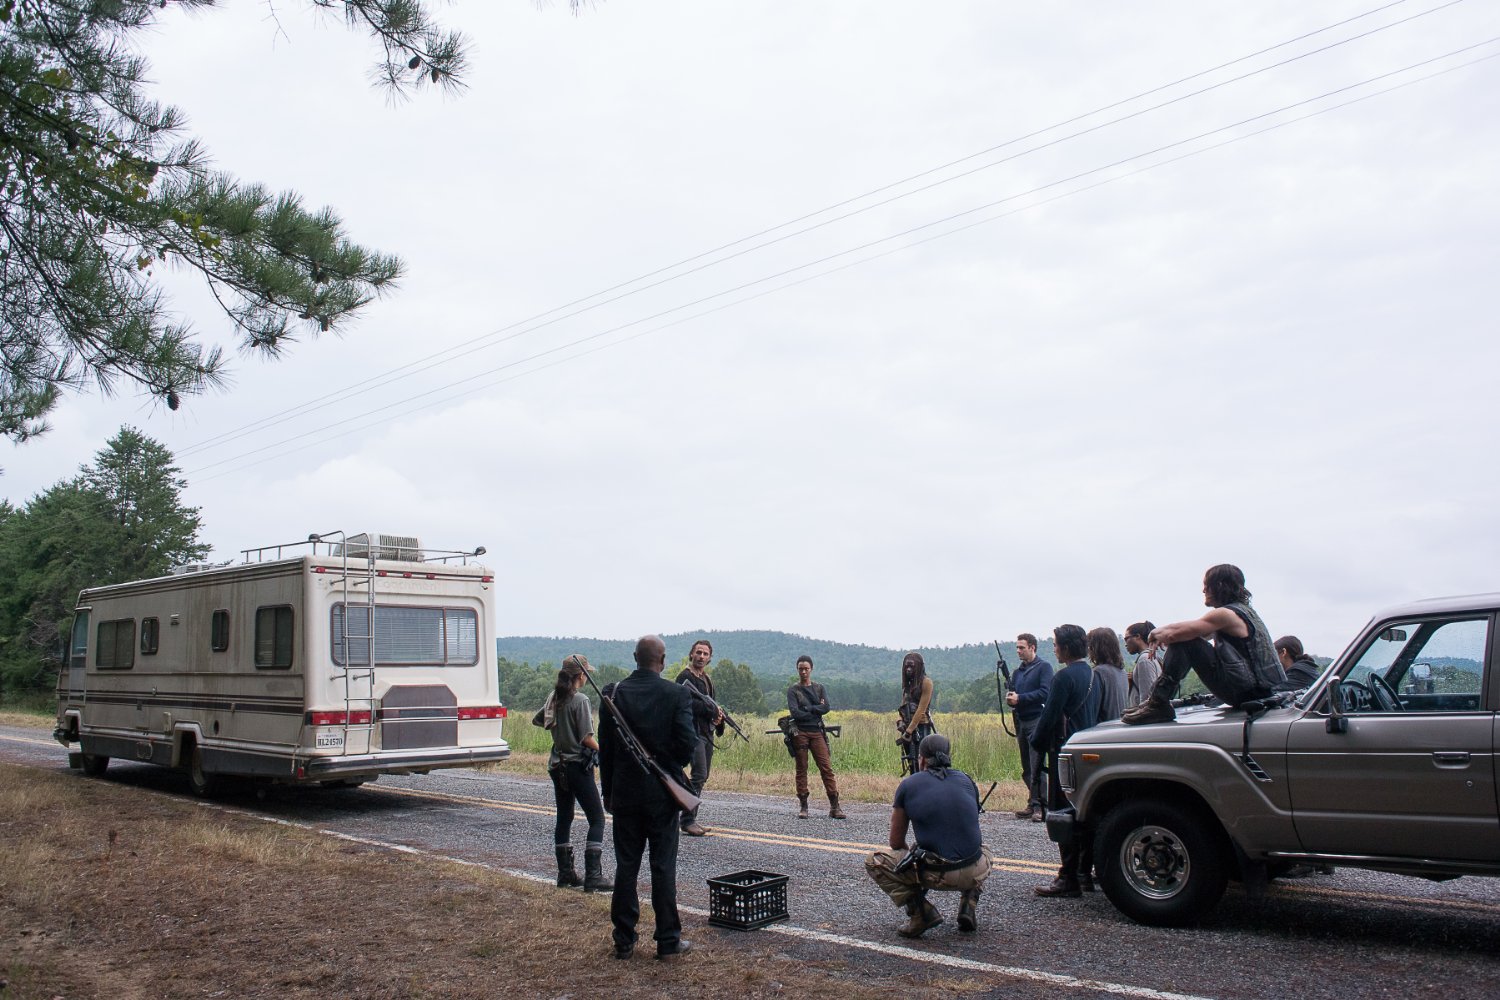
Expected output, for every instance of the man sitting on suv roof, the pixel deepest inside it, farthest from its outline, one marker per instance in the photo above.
(1239, 666)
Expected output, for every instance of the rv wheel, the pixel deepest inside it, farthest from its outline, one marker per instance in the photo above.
(94, 764)
(200, 781)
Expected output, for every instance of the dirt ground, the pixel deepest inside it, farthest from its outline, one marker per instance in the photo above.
(122, 893)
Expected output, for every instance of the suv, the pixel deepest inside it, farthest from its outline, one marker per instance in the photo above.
(1386, 762)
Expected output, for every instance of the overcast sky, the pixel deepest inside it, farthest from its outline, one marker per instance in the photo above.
(1278, 351)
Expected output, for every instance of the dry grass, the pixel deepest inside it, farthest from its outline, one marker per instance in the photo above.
(115, 892)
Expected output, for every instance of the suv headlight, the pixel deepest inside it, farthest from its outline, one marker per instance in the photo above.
(1065, 771)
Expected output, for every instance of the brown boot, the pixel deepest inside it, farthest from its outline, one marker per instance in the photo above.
(922, 917)
(802, 807)
(834, 812)
(1153, 709)
(1061, 887)
(968, 905)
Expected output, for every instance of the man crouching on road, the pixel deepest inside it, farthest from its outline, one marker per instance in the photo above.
(941, 805)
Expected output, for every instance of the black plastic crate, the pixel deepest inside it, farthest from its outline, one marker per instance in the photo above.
(747, 900)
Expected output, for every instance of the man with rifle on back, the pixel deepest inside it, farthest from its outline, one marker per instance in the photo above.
(638, 763)
(808, 703)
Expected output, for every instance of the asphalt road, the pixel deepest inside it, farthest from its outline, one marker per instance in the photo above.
(1350, 934)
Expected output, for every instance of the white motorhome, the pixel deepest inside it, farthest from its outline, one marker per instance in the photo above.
(331, 661)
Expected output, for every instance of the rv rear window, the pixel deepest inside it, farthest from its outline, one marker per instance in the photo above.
(218, 631)
(115, 649)
(150, 636)
(406, 636)
(273, 638)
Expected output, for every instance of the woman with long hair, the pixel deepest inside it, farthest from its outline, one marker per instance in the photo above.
(915, 720)
(1109, 669)
(569, 718)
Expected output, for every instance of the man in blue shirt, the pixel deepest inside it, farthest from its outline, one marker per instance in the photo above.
(1074, 706)
(941, 806)
(1029, 687)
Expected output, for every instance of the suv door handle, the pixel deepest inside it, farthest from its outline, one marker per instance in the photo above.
(1449, 758)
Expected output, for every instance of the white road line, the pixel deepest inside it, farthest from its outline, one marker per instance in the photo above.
(895, 951)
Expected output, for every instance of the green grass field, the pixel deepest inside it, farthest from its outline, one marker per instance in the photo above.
(867, 744)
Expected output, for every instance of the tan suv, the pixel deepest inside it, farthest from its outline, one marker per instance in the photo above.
(1386, 762)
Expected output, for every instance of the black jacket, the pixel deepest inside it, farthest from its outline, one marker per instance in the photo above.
(808, 705)
(661, 716)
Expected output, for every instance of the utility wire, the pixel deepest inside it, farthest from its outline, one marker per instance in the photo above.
(532, 324)
(448, 397)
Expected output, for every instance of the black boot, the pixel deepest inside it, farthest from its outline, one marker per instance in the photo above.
(567, 875)
(802, 807)
(593, 871)
(834, 812)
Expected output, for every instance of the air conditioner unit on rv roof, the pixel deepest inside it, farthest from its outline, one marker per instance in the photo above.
(401, 548)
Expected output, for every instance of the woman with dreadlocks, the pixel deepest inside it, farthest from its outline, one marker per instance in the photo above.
(915, 720)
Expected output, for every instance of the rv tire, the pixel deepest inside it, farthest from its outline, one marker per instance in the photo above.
(203, 783)
(94, 765)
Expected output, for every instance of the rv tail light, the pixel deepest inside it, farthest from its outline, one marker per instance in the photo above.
(481, 712)
(380, 573)
(361, 718)
(320, 569)
(406, 576)
(432, 576)
(486, 579)
(301, 771)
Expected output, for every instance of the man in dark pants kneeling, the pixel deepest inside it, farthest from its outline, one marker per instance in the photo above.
(941, 805)
(660, 714)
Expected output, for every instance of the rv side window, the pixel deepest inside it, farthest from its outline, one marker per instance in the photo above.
(80, 643)
(406, 636)
(150, 636)
(218, 637)
(273, 638)
(115, 649)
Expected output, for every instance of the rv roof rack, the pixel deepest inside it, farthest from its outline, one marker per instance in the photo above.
(363, 545)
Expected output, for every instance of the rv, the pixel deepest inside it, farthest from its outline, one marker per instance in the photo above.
(329, 661)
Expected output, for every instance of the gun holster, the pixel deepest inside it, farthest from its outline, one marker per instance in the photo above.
(1062, 826)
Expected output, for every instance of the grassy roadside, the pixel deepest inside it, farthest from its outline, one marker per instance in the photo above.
(116, 892)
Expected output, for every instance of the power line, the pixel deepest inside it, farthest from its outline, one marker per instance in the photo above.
(447, 396)
(535, 323)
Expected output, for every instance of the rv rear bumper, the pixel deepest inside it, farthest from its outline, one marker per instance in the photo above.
(325, 768)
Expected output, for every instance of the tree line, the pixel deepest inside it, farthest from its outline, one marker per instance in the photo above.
(524, 688)
(120, 518)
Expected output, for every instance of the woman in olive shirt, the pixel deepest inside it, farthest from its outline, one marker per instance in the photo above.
(569, 718)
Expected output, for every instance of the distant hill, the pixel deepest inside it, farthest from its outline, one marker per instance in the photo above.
(773, 654)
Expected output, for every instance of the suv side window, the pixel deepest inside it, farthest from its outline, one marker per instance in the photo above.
(1434, 665)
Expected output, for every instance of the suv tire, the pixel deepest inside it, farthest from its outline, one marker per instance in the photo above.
(1162, 863)
(94, 765)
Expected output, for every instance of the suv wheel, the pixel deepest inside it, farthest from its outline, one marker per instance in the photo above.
(1160, 862)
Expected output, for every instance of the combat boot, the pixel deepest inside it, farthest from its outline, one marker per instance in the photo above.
(802, 807)
(834, 812)
(593, 871)
(1156, 708)
(567, 875)
(968, 906)
(922, 917)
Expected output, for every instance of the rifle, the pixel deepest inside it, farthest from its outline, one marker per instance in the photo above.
(784, 729)
(681, 796)
(717, 710)
(1002, 669)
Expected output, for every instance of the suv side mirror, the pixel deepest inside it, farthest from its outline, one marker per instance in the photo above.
(1337, 723)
